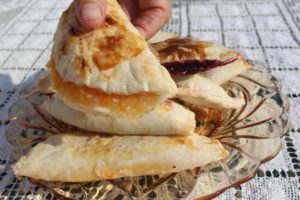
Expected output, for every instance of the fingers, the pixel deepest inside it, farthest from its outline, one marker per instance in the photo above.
(154, 14)
(130, 7)
(90, 13)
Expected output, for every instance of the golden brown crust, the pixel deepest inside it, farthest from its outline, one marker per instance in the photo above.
(107, 41)
(182, 49)
(114, 57)
(80, 158)
(109, 54)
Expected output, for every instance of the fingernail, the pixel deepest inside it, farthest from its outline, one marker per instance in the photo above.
(91, 12)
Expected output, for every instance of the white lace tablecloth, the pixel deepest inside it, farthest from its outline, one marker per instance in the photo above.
(266, 30)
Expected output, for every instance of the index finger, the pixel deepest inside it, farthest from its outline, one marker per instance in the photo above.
(154, 15)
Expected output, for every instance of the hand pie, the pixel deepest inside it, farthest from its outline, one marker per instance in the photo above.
(168, 118)
(108, 80)
(198, 68)
(185, 56)
(80, 158)
(199, 91)
(94, 70)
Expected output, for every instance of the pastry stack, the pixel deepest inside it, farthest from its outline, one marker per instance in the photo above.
(130, 102)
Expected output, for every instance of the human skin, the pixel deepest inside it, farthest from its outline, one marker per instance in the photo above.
(148, 16)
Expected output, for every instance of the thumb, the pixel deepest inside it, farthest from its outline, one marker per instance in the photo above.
(90, 13)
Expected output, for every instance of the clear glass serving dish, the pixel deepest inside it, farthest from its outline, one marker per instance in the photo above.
(251, 134)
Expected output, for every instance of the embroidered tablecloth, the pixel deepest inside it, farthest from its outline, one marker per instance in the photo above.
(265, 30)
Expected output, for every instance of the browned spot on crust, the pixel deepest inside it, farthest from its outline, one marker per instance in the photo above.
(116, 48)
(63, 48)
(110, 44)
(75, 31)
(84, 67)
(83, 64)
(180, 48)
(50, 63)
(110, 20)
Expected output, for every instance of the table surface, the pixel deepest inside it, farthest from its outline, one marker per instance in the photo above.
(265, 30)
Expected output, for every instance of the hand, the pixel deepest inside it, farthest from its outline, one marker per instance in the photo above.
(146, 15)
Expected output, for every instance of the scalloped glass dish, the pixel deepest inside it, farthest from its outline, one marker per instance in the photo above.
(251, 134)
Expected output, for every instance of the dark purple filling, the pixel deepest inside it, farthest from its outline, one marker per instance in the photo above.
(188, 67)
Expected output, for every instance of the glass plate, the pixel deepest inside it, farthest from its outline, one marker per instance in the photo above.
(251, 134)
